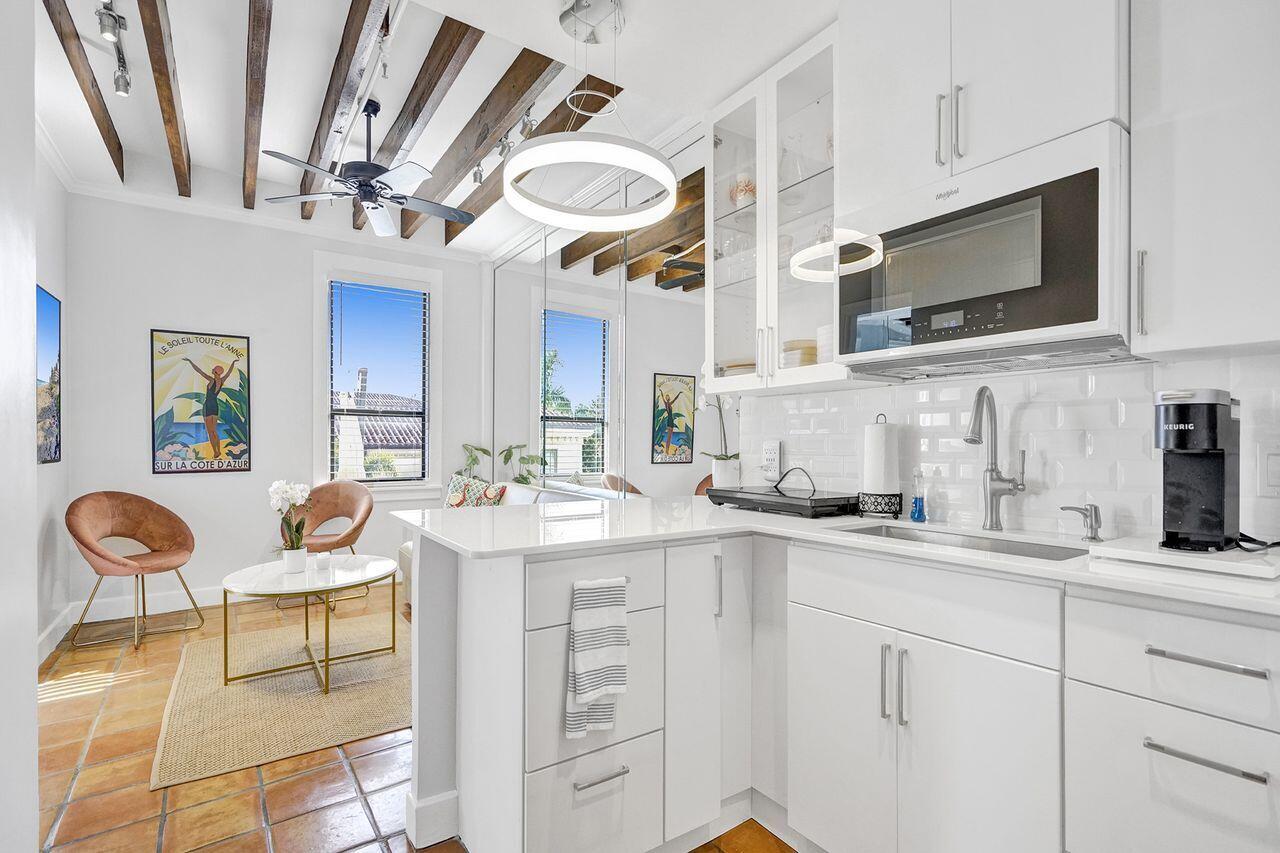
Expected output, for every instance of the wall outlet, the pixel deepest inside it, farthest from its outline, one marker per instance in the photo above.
(772, 464)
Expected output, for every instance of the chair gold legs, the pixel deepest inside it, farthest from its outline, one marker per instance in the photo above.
(140, 631)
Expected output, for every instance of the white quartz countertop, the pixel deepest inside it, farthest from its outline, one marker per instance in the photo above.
(504, 531)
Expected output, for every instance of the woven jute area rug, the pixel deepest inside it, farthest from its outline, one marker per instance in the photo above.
(210, 728)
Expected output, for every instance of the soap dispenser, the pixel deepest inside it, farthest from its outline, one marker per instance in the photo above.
(917, 496)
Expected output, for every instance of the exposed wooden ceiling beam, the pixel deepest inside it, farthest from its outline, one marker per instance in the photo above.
(651, 264)
(697, 255)
(255, 89)
(154, 15)
(448, 53)
(65, 28)
(526, 79)
(688, 190)
(339, 108)
(683, 226)
(559, 120)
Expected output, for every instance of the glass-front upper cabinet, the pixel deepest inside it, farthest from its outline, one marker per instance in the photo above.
(735, 309)
(770, 284)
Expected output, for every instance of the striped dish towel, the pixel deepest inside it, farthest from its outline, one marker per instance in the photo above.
(597, 655)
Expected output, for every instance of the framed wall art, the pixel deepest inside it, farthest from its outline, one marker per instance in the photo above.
(674, 401)
(48, 377)
(199, 402)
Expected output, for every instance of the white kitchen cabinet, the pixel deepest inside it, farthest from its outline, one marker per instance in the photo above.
(772, 148)
(979, 752)
(1206, 112)
(895, 89)
(932, 88)
(735, 633)
(692, 726)
(842, 744)
(1145, 777)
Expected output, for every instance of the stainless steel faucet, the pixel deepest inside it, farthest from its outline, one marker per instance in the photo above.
(1092, 520)
(982, 430)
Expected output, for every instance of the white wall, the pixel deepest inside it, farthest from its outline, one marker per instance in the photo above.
(132, 268)
(1087, 433)
(18, 800)
(53, 544)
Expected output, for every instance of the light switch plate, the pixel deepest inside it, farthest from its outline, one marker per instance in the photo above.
(771, 467)
(1268, 469)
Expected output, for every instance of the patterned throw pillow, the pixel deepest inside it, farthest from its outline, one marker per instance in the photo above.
(472, 491)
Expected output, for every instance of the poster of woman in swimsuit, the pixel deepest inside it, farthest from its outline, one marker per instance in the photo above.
(199, 402)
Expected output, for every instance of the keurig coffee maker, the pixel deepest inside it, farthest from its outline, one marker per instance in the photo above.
(1199, 434)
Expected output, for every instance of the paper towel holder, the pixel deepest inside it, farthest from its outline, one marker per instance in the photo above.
(874, 503)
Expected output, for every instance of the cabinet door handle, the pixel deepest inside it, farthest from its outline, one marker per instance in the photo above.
(902, 680)
(1221, 665)
(719, 585)
(1260, 778)
(955, 121)
(1142, 291)
(600, 780)
(884, 681)
(937, 130)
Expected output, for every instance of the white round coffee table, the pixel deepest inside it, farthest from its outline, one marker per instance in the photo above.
(269, 580)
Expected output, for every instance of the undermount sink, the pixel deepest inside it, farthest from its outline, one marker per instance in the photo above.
(976, 543)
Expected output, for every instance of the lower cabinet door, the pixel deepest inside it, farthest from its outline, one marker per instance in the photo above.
(840, 731)
(1145, 777)
(605, 802)
(979, 752)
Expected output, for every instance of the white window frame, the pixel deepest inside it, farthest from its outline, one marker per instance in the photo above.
(600, 309)
(329, 267)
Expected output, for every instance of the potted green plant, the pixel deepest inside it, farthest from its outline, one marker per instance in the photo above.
(726, 467)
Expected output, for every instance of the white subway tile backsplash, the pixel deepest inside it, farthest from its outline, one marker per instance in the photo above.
(1087, 433)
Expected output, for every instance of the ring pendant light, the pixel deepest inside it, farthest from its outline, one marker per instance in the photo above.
(801, 261)
(605, 149)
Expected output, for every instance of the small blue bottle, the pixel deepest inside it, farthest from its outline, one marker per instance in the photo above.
(917, 497)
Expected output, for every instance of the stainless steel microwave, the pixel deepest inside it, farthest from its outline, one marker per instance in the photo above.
(1022, 256)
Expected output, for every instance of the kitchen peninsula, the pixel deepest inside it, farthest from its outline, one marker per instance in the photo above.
(836, 683)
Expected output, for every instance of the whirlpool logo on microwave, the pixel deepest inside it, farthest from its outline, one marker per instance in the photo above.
(1172, 427)
(947, 193)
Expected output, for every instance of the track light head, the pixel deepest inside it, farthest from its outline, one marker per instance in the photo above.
(110, 22)
(122, 81)
(477, 175)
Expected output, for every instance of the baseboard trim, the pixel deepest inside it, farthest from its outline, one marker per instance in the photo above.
(432, 820)
(106, 608)
(58, 628)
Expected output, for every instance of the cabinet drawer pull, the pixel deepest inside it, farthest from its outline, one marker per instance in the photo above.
(1260, 778)
(884, 681)
(1142, 291)
(955, 121)
(719, 585)
(937, 130)
(902, 680)
(1221, 665)
(608, 777)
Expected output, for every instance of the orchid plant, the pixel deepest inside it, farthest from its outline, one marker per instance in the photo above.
(291, 500)
(718, 404)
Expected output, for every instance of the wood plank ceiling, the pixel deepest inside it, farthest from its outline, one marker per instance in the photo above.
(499, 112)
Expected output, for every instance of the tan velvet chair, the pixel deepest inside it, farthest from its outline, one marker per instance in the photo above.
(614, 483)
(169, 543)
(336, 499)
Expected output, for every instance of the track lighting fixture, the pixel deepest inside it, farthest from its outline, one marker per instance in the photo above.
(110, 22)
(528, 123)
(505, 145)
(122, 80)
(477, 175)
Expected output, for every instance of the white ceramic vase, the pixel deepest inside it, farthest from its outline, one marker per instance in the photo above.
(295, 560)
(726, 473)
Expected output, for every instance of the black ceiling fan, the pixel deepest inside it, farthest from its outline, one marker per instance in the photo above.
(696, 272)
(374, 186)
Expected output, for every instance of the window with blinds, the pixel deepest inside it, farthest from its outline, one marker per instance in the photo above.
(575, 394)
(379, 345)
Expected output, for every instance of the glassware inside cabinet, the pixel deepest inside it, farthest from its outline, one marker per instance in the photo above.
(805, 206)
(733, 241)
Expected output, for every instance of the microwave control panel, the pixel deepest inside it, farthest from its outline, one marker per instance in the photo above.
(929, 325)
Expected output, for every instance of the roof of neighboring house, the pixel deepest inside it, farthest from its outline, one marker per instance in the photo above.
(375, 401)
(383, 432)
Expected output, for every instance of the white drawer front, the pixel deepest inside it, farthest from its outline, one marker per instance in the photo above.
(620, 815)
(549, 585)
(1018, 620)
(1123, 796)
(1194, 663)
(639, 710)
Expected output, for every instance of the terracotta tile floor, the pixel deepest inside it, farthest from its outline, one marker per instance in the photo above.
(100, 710)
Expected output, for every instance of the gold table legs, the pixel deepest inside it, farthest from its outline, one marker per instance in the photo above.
(321, 663)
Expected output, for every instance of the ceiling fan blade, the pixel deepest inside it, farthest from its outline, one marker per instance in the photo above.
(384, 224)
(682, 281)
(404, 179)
(430, 208)
(285, 199)
(303, 164)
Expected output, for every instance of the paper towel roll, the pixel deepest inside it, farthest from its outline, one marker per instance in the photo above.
(880, 460)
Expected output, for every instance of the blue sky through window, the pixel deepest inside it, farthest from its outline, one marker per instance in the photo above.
(48, 318)
(379, 328)
(580, 342)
